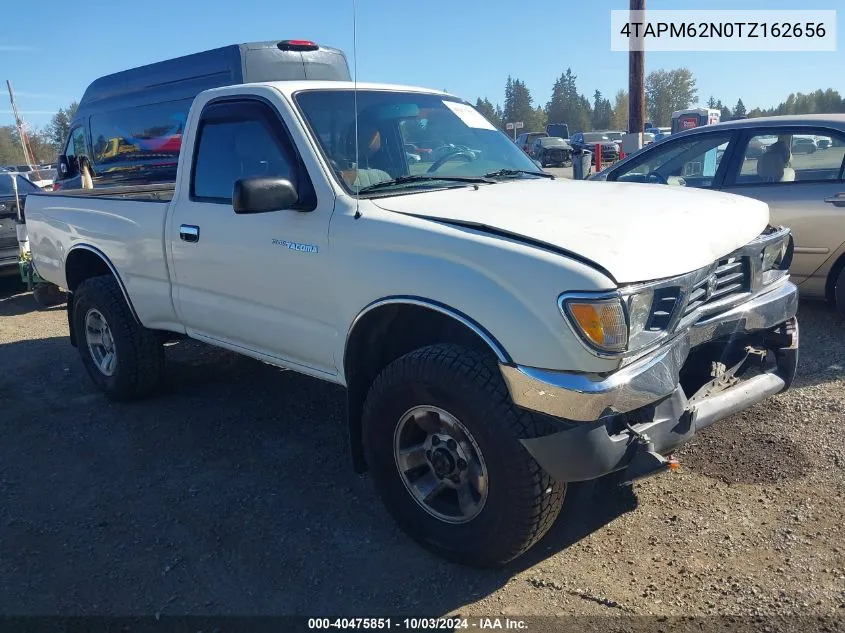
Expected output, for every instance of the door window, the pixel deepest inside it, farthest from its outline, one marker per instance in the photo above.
(690, 162)
(792, 156)
(76, 143)
(238, 141)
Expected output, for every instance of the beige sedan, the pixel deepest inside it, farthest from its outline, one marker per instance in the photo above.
(793, 163)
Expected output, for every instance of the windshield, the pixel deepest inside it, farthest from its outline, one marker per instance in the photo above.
(595, 137)
(404, 134)
(614, 136)
(552, 141)
(24, 186)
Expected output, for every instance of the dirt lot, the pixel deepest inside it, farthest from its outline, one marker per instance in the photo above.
(230, 492)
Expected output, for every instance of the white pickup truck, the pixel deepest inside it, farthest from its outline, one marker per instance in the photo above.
(500, 333)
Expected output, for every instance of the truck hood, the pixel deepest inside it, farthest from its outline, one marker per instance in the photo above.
(636, 232)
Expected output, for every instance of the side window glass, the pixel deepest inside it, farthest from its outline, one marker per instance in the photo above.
(141, 142)
(76, 143)
(228, 150)
(691, 163)
(792, 157)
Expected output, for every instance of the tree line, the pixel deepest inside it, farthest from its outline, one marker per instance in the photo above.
(45, 143)
(666, 91)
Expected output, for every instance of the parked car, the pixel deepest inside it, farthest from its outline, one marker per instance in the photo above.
(526, 140)
(823, 142)
(128, 126)
(615, 136)
(551, 151)
(589, 141)
(752, 157)
(9, 250)
(499, 332)
(43, 178)
(804, 145)
(559, 130)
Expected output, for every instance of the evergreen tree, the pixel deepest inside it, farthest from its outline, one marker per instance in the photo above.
(489, 111)
(518, 104)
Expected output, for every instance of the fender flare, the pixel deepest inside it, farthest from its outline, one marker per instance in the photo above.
(105, 259)
(491, 341)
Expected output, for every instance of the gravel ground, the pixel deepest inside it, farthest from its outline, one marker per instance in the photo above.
(230, 492)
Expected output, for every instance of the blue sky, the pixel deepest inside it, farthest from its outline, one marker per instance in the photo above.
(465, 46)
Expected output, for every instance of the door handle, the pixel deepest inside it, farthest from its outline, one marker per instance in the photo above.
(189, 233)
(838, 200)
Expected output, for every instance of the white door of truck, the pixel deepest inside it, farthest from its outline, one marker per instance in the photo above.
(253, 282)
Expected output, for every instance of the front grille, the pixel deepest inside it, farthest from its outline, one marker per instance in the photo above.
(732, 276)
(663, 307)
(556, 155)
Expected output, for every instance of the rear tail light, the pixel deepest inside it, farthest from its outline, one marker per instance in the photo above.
(56, 186)
(297, 45)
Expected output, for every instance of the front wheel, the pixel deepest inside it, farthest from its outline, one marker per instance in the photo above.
(123, 358)
(442, 441)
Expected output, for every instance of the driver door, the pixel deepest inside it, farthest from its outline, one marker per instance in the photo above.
(698, 161)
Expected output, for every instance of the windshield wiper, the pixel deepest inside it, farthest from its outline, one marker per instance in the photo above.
(502, 173)
(402, 180)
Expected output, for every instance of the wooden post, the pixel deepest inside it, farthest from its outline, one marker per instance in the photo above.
(636, 82)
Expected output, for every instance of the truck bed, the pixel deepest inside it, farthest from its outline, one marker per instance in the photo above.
(160, 192)
(124, 224)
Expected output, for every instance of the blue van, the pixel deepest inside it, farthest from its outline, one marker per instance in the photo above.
(128, 127)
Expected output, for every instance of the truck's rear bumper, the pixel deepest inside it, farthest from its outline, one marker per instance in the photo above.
(647, 394)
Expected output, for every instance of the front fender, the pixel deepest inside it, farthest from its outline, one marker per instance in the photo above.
(510, 289)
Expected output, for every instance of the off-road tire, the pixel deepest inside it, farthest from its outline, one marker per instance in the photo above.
(139, 352)
(48, 295)
(523, 500)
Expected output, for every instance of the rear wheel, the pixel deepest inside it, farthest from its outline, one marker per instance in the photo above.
(442, 441)
(48, 295)
(124, 359)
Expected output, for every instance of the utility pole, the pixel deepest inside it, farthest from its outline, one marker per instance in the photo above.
(21, 125)
(636, 78)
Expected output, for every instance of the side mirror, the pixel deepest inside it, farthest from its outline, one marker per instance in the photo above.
(262, 194)
(63, 169)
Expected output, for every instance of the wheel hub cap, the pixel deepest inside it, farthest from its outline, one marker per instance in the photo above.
(440, 464)
(100, 342)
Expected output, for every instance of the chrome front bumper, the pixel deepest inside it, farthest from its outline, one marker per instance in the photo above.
(585, 398)
(609, 423)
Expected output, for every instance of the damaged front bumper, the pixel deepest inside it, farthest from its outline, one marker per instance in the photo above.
(716, 368)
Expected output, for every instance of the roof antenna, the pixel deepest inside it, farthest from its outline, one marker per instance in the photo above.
(355, 98)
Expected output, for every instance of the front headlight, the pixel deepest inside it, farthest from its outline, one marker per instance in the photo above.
(599, 322)
(778, 256)
(625, 322)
